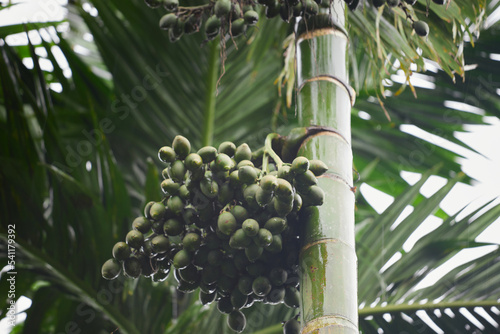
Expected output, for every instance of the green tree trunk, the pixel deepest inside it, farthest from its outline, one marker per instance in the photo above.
(327, 257)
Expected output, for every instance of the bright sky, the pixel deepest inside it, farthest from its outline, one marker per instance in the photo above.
(33, 11)
(483, 166)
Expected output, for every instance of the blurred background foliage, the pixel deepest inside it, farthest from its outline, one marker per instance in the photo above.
(79, 139)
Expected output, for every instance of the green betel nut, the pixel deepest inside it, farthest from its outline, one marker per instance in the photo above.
(181, 146)
(227, 223)
(207, 298)
(250, 192)
(191, 241)
(240, 261)
(378, 3)
(244, 163)
(263, 238)
(141, 224)
(166, 153)
(111, 269)
(160, 276)
(192, 24)
(223, 162)
(224, 305)
(177, 171)
(238, 27)
(181, 259)
(256, 269)
(251, 17)
(171, 5)
(168, 21)
(210, 274)
(276, 295)
(421, 28)
(208, 153)
(278, 276)
(121, 251)
(276, 225)
(247, 174)
(135, 239)
(250, 227)
(269, 183)
(160, 244)
(147, 208)
(187, 287)
(173, 227)
(292, 326)
(283, 208)
(284, 189)
(263, 197)
(239, 240)
(276, 245)
(229, 269)
(245, 284)
(261, 286)
(240, 213)
(236, 321)
(193, 161)
(157, 211)
(297, 202)
(284, 172)
(170, 187)
(212, 27)
(189, 274)
(235, 11)
(209, 188)
(253, 252)
(243, 152)
(300, 165)
(318, 167)
(226, 194)
(164, 173)
(184, 192)
(292, 297)
(234, 180)
(175, 204)
(238, 299)
(226, 284)
(132, 267)
(226, 147)
(315, 196)
(215, 257)
(153, 3)
(306, 179)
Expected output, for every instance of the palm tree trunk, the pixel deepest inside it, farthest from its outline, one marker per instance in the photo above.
(327, 258)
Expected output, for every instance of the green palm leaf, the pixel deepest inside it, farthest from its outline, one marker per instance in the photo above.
(70, 207)
(470, 285)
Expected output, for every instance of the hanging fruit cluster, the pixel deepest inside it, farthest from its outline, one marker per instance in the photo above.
(232, 17)
(421, 28)
(228, 224)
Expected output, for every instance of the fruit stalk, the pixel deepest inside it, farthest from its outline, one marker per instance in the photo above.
(269, 149)
(209, 116)
(327, 257)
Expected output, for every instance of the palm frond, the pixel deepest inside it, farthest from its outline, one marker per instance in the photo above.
(400, 298)
(441, 111)
(385, 35)
(75, 170)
